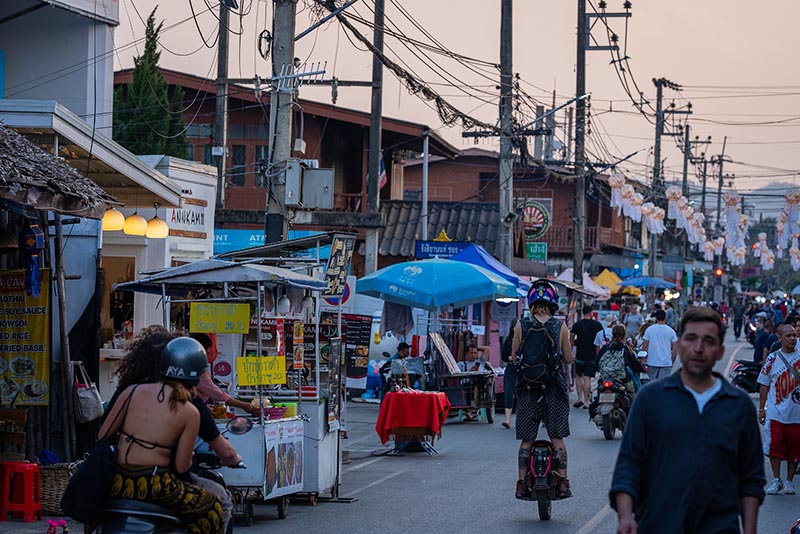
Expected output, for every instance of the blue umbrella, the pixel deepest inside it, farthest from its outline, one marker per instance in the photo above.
(477, 255)
(648, 281)
(432, 284)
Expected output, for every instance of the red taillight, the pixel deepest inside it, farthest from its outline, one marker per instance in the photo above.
(735, 366)
(607, 384)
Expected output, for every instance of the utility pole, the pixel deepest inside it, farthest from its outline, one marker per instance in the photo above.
(506, 161)
(579, 200)
(720, 161)
(703, 197)
(221, 112)
(657, 185)
(687, 154)
(374, 156)
(281, 100)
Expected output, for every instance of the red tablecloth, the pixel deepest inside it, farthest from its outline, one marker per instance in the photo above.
(412, 414)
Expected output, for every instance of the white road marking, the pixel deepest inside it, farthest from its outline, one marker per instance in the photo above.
(730, 362)
(365, 464)
(594, 521)
(374, 483)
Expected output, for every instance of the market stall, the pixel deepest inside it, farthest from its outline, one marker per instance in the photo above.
(405, 415)
(292, 451)
(432, 285)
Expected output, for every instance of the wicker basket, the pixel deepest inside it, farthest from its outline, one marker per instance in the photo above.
(53, 481)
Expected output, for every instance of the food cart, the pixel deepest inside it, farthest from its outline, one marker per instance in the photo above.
(279, 460)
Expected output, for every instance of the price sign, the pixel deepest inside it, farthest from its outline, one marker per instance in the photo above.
(255, 371)
(219, 318)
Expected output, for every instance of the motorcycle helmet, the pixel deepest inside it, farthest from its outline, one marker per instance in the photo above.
(543, 291)
(184, 359)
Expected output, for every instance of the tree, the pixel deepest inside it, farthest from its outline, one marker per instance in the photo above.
(146, 120)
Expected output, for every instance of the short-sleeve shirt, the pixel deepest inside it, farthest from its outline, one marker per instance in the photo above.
(783, 400)
(660, 338)
(602, 337)
(585, 331)
(633, 322)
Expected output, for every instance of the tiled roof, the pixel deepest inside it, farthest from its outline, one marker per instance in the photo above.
(476, 222)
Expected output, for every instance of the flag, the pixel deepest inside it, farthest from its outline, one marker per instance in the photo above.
(382, 175)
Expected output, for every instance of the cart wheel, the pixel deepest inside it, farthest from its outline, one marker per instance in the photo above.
(283, 507)
(489, 414)
(248, 514)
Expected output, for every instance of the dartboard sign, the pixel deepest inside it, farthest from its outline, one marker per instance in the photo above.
(536, 218)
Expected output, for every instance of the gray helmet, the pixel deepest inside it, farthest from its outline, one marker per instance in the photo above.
(184, 359)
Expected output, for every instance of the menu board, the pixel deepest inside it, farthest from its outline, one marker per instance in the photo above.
(335, 385)
(24, 341)
(218, 317)
(284, 443)
(356, 349)
(339, 264)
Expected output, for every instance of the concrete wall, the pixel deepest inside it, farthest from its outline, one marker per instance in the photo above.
(49, 56)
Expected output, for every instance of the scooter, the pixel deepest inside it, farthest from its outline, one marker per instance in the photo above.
(644, 378)
(744, 374)
(543, 479)
(610, 406)
(121, 516)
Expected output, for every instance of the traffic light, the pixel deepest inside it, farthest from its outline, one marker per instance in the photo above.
(718, 272)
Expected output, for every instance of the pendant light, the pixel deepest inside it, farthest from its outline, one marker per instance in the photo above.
(113, 220)
(135, 225)
(156, 228)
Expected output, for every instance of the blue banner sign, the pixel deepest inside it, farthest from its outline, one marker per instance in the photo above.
(226, 240)
(439, 249)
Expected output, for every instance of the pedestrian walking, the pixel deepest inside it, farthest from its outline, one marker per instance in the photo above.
(660, 344)
(738, 317)
(779, 409)
(583, 334)
(604, 335)
(633, 321)
(690, 460)
(672, 316)
(509, 377)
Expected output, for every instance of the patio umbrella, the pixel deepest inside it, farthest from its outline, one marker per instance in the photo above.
(431, 284)
(477, 255)
(648, 281)
(614, 283)
(796, 290)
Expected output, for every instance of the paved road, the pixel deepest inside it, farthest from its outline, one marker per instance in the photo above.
(468, 487)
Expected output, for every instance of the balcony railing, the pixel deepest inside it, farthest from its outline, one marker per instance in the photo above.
(347, 202)
(559, 240)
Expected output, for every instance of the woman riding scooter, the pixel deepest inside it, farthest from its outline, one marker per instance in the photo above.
(158, 426)
(627, 364)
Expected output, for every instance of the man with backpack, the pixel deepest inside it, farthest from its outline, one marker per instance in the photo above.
(540, 345)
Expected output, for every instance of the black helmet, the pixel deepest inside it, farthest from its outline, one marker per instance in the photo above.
(184, 359)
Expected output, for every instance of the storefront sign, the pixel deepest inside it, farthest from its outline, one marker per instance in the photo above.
(219, 318)
(255, 371)
(536, 251)
(24, 341)
(339, 265)
(297, 342)
(535, 217)
(438, 249)
(356, 349)
(228, 240)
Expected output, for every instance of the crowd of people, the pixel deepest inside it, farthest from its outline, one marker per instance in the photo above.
(690, 430)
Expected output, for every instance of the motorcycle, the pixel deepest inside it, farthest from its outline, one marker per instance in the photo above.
(610, 406)
(644, 378)
(121, 516)
(750, 330)
(744, 374)
(543, 479)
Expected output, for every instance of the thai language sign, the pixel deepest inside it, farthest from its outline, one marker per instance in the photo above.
(219, 318)
(24, 341)
(255, 371)
(438, 249)
(339, 264)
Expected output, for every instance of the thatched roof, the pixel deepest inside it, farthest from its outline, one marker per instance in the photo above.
(34, 177)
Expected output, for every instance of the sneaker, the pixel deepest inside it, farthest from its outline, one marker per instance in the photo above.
(788, 488)
(523, 491)
(775, 486)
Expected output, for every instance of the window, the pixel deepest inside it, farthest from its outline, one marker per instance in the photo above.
(411, 195)
(208, 159)
(189, 152)
(238, 164)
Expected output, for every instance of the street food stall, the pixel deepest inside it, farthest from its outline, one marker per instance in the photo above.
(292, 451)
(412, 415)
(432, 285)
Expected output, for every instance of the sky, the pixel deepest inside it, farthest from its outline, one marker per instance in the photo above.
(733, 60)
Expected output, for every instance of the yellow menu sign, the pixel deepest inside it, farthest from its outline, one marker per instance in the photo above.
(260, 371)
(24, 341)
(219, 318)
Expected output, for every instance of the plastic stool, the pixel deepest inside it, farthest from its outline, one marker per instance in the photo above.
(19, 483)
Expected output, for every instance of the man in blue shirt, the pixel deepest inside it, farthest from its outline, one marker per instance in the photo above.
(760, 344)
(690, 459)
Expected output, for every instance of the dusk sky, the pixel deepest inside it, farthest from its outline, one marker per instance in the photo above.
(734, 60)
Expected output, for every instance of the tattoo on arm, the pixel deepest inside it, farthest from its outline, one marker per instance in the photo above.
(524, 458)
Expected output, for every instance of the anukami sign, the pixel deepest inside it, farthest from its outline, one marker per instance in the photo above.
(24, 341)
(190, 219)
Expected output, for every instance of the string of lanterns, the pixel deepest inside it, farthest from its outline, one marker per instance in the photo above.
(156, 228)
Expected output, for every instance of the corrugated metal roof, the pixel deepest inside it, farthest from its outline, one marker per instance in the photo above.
(475, 222)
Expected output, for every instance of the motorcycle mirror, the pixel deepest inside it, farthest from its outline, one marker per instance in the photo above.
(239, 425)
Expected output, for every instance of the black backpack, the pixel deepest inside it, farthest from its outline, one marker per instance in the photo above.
(536, 355)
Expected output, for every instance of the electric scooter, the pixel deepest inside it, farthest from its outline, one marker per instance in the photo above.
(543, 479)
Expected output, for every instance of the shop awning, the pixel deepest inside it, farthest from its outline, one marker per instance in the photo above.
(613, 282)
(598, 292)
(179, 281)
(33, 177)
(119, 172)
(477, 255)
